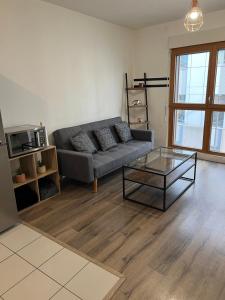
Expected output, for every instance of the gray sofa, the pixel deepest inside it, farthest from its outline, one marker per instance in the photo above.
(87, 167)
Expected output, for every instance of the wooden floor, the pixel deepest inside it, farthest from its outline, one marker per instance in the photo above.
(179, 254)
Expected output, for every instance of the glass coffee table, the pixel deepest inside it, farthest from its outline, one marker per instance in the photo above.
(160, 177)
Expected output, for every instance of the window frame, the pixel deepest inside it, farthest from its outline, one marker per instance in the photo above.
(209, 106)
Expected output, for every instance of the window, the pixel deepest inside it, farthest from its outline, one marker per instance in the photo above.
(219, 97)
(197, 98)
(217, 142)
(192, 76)
(189, 126)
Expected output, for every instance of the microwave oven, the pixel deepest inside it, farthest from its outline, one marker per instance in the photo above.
(24, 139)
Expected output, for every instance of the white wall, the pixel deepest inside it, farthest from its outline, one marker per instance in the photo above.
(64, 68)
(58, 66)
(152, 55)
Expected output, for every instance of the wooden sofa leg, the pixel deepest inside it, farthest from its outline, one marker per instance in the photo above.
(95, 185)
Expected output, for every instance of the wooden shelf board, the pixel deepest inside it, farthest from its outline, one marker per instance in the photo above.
(138, 106)
(37, 203)
(56, 194)
(28, 180)
(48, 172)
(32, 153)
(22, 156)
(136, 89)
(139, 123)
(48, 148)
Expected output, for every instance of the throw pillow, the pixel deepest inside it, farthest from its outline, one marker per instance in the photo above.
(81, 142)
(123, 132)
(105, 138)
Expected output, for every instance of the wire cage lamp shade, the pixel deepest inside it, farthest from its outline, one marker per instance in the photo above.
(194, 18)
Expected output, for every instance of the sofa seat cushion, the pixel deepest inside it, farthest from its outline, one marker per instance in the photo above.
(107, 161)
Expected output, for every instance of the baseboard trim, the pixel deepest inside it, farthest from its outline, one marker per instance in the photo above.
(210, 157)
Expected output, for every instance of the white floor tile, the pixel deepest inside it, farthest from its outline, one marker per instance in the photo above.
(12, 270)
(63, 294)
(36, 286)
(63, 266)
(18, 237)
(92, 283)
(40, 251)
(4, 252)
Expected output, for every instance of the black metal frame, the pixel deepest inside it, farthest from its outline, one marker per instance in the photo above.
(165, 187)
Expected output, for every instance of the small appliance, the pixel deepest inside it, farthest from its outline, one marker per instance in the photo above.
(24, 139)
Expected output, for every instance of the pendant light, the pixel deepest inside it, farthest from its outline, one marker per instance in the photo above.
(194, 18)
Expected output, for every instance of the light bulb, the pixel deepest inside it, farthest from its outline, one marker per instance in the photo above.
(194, 15)
(194, 18)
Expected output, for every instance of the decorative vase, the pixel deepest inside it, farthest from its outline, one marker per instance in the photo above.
(136, 102)
(41, 169)
(20, 178)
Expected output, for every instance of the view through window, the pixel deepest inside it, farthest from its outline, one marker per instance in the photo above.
(192, 76)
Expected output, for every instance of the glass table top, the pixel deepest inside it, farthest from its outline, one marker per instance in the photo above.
(161, 160)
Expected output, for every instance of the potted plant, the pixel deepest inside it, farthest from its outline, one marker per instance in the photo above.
(20, 176)
(41, 168)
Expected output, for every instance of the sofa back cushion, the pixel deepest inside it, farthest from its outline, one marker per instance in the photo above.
(91, 127)
(105, 138)
(62, 136)
(124, 132)
(82, 143)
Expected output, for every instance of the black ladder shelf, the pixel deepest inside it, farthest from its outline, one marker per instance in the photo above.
(142, 86)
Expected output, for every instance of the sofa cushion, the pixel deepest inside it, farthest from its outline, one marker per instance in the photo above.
(82, 143)
(115, 158)
(89, 128)
(105, 138)
(62, 136)
(123, 131)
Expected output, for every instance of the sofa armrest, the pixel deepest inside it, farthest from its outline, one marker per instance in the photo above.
(143, 135)
(76, 165)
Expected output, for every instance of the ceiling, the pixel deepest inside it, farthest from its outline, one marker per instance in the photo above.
(137, 13)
